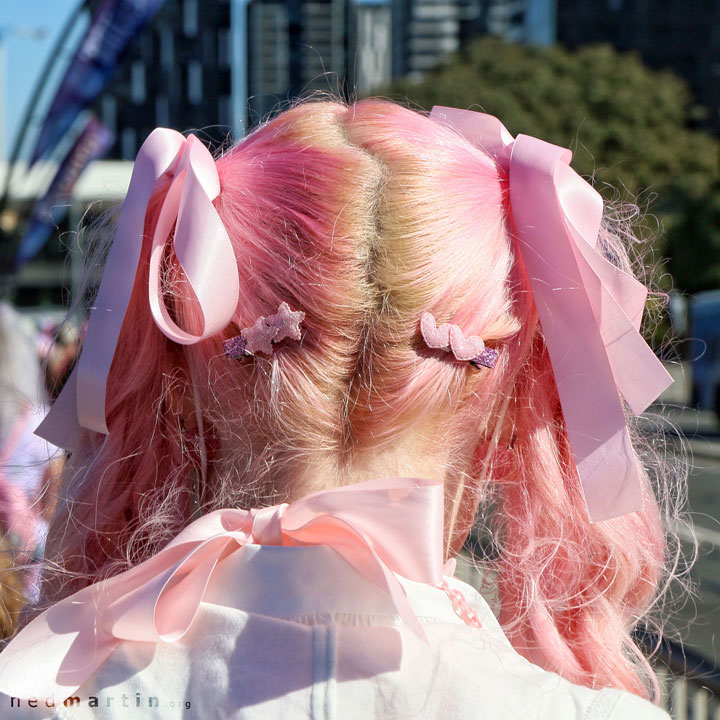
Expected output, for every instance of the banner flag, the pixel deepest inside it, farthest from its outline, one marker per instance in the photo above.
(93, 143)
(113, 26)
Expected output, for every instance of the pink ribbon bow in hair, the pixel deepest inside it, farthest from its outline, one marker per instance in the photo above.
(380, 527)
(590, 311)
(203, 250)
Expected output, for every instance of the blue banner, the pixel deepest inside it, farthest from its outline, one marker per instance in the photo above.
(94, 141)
(114, 25)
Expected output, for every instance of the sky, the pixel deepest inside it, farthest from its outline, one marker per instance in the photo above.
(24, 56)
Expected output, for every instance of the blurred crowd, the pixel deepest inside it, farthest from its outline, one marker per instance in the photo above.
(36, 357)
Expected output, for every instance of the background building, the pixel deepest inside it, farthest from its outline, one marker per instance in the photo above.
(676, 34)
(220, 66)
(54, 276)
(372, 40)
(294, 47)
(177, 74)
(223, 68)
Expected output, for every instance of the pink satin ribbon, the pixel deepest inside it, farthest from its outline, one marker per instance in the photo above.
(379, 527)
(203, 250)
(590, 311)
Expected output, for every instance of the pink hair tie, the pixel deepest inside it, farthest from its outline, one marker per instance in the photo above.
(450, 338)
(589, 310)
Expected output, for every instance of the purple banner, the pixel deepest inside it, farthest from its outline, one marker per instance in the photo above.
(94, 141)
(114, 25)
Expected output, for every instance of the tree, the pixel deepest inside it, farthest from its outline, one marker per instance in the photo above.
(630, 127)
(693, 243)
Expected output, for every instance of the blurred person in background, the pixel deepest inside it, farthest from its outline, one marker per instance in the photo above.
(32, 366)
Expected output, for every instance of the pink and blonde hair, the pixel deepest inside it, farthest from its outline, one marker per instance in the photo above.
(364, 217)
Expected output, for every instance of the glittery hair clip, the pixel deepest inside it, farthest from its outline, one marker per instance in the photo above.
(267, 330)
(450, 338)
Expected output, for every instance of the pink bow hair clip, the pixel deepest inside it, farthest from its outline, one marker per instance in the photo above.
(450, 338)
(267, 330)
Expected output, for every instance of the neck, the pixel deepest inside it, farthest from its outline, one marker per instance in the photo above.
(406, 457)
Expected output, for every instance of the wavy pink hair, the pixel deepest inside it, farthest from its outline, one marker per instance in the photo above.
(364, 217)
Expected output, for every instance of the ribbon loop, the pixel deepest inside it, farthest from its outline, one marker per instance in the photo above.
(201, 244)
(203, 250)
(589, 310)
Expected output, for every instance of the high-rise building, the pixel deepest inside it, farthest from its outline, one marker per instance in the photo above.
(178, 74)
(220, 66)
(433, 33)
(676, 34)
(524, 21)
(341, 46)
(371, 44)
(294, 47)
(270, 72)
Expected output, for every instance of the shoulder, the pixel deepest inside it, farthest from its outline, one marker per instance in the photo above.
(498, 673)
(612, 704)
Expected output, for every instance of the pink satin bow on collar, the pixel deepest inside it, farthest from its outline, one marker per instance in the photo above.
(590, 311)
(203, 250)
(379, 527)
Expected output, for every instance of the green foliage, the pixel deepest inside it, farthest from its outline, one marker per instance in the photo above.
(693, 243)
(629, 128)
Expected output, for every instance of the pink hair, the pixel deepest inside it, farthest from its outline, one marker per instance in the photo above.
(364, 217)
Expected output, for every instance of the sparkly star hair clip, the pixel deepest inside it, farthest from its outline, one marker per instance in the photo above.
(451, 339)
(267, 330)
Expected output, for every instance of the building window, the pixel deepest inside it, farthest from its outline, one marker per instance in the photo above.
(190, 17)
(108, 112)
(167, 48)
(223, 48)
(224, 113)
(194, 82)
(138, 91)
(162, 111)
(128, 143)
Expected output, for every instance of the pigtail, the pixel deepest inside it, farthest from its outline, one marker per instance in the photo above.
(124, 495)
(571, 592)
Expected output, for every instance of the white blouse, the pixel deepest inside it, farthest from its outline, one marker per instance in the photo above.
(296, 632)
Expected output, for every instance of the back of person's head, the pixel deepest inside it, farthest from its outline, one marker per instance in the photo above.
(365, 217)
